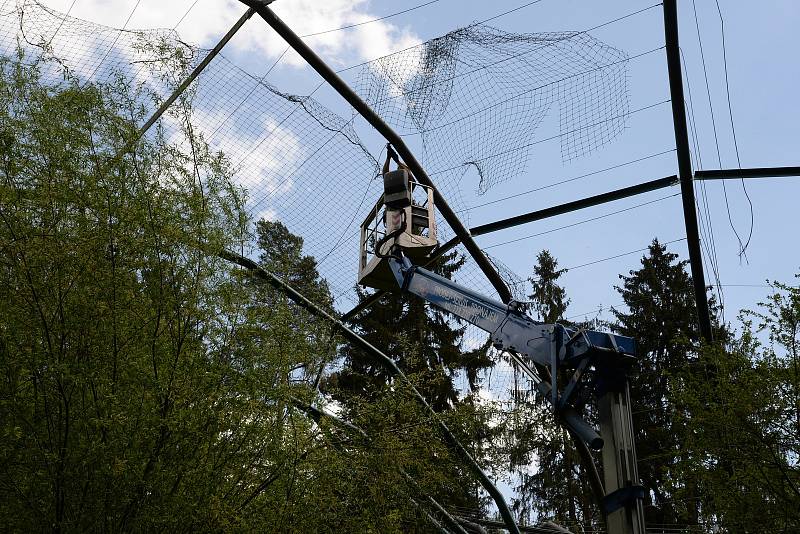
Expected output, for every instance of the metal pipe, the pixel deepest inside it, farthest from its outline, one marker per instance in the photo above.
(574, 205)
(685, 167)
(194, 74)
(523, 219)
(389, 134)
(389, 364)
(754, 172)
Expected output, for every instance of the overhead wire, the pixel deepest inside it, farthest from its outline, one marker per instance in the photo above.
(504, 13)
(372, 20)
(114, 42)
(286, 50)
(66, 15)
(568, 180)
(498, 16)
(706, 227)
(742, 251)
(621, 255)
(242, 102)
(695, 154)
(709, 243)
(733, 126)
(582, 221)
(185, 14)
(528, 145)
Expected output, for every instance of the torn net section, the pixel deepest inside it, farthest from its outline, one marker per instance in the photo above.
(477, 96)
(472, 99)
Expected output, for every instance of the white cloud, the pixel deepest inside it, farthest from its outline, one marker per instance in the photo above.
(210, 19)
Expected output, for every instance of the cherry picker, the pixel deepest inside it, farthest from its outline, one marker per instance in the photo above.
(400, 231)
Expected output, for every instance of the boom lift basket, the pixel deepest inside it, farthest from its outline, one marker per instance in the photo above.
(405, 204)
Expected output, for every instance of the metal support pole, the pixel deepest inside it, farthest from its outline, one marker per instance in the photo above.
(532, 216)
(685, 167)
(587, 202)
(389, 134)
(622, 505)
(390, 365)
(756, 172)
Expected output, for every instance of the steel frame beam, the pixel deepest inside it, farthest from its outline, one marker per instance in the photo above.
(341, 87)
(447, 435)
(685, 168)
(753, 172)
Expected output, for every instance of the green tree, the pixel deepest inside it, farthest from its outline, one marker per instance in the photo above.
(744, 425)
(135, 395)
(557, 489)
(423, 340)
(549, 299)
(148, 385)
(661, 317)
(426, 344)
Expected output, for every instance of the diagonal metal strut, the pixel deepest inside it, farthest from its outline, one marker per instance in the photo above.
(341, 87)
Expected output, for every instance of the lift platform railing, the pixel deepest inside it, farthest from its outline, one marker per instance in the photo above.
(418, 239)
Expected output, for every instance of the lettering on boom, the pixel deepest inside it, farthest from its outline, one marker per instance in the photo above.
(461, 305)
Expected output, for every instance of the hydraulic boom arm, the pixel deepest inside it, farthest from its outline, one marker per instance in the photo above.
(607, 356)
(549, 345)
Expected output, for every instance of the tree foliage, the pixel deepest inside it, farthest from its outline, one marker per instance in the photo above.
(557, 489)
(742, 422)
(147, 385)
(427, 345)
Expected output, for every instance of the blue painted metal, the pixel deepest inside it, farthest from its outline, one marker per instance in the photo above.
(549, 345)
(510, 328)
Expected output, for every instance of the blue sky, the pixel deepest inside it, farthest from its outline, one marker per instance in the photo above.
(763, 72)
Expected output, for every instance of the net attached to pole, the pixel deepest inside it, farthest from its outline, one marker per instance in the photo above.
(474, 99)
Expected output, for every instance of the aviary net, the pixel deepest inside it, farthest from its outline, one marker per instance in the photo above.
(475, 99)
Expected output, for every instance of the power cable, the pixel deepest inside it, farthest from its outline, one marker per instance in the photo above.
(528, 145)
(497, 16)
(272, 67)
(62, 21)
(581, 222)
(185, 15)
(620, 255)
(733, 127)
(258, 83)
(114, 42)
(372, 20)
(714, 127)
(708, 244)
(561, 182)
(504, 13)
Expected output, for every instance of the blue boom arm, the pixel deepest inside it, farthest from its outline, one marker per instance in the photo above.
(549, 345)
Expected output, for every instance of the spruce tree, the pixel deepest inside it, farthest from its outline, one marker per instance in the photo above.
(557, 489)
(423, 340)
(662, 318)
(427, 345)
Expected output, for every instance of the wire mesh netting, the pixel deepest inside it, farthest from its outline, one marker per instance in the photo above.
(474, 98)
(477, 95)
(471, 101)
